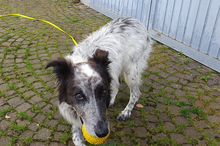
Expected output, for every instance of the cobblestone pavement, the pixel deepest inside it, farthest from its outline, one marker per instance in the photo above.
(180, 99)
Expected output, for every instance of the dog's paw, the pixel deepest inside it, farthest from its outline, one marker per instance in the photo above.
(124, 116)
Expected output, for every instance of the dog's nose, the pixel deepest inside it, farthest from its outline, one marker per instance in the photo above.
(101, 129)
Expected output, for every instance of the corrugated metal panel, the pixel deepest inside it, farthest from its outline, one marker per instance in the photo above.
(138, 9)
(190, 26)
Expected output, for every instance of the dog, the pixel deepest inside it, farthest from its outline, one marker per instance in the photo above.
(88, 78)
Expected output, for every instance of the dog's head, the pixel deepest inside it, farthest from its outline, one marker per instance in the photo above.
(86, 87)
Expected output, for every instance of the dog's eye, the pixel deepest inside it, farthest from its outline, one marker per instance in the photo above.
(103, 93)
(79, 96)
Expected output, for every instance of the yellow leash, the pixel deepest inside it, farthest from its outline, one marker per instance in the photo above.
(42, 21)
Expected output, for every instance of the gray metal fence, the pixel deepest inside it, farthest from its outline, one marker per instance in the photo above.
(189, 26)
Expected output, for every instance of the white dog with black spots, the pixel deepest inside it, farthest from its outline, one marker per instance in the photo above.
(88, 78)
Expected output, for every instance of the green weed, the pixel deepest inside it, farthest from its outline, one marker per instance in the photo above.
(64, 138)
(185, 112)
(8, 37)
(4, 111)
(180, 53)
(24, 116)
(2, 132)
(206, 78)
(2, 93)
(11, 86)
(131, 124)
(27, 141)
(19, 128)
(187, 61)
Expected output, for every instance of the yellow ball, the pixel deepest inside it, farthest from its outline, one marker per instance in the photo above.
(91, 139)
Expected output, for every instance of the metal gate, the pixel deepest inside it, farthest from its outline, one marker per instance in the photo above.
(189, 26)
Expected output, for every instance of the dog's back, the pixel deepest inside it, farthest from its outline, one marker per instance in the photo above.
(125, 39)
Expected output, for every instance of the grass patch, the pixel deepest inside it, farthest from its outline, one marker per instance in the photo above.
(2, 132)
(64, 138)
(27, 141)
(4, 111)
(24, 115)
(195, 110)
(19, 128)
(185, 112)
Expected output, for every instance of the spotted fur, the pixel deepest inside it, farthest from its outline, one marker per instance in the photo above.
(88, 78)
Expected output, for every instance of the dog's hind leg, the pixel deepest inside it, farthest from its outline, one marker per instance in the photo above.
(132, 78)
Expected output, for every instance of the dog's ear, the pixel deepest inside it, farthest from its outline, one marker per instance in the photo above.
(62, 68)
(100, 57)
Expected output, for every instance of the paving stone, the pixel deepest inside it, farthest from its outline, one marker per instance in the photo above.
(22, 122)
(26, 134)
(126, 140)
(213, 119)
(63, 127)
(164, 117)
(175, 85)
(161, 107)
(35, 99)
(39, 118)
(159, 136)
(180, 92)
(151, 118)
(199, 103)
(4, 140)
(207, 98)
(33, 126)
(56, 136)
(28, 94)
(169, 89)
(202, 142)
(181, 121)
(30, 79)
(214, 105)
(211, 133)
(13, 116)
(38, 85)
(4, 87)
(162, 99)
(179, 138)
(143, 142)
(137, 121)
(201, 124)
(15, 101)
(169, 126)
(52, 122)
(151, 125)
(2, 102)
(23, 107)
(173, 78)
(140, 132)
(37, 144)
(192, 132)
(174, 109)
(42, 134)
(56, 144)
(4, 124)
(148, 109)
(47, 109)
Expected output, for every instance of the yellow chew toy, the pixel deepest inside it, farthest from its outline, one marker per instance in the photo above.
(91, 139)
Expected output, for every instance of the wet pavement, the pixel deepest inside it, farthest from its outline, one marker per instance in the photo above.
(180, 99)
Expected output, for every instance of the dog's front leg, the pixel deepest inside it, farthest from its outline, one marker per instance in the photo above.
(114, 85)
(132, 78)
(78, 138)
(126, 113)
